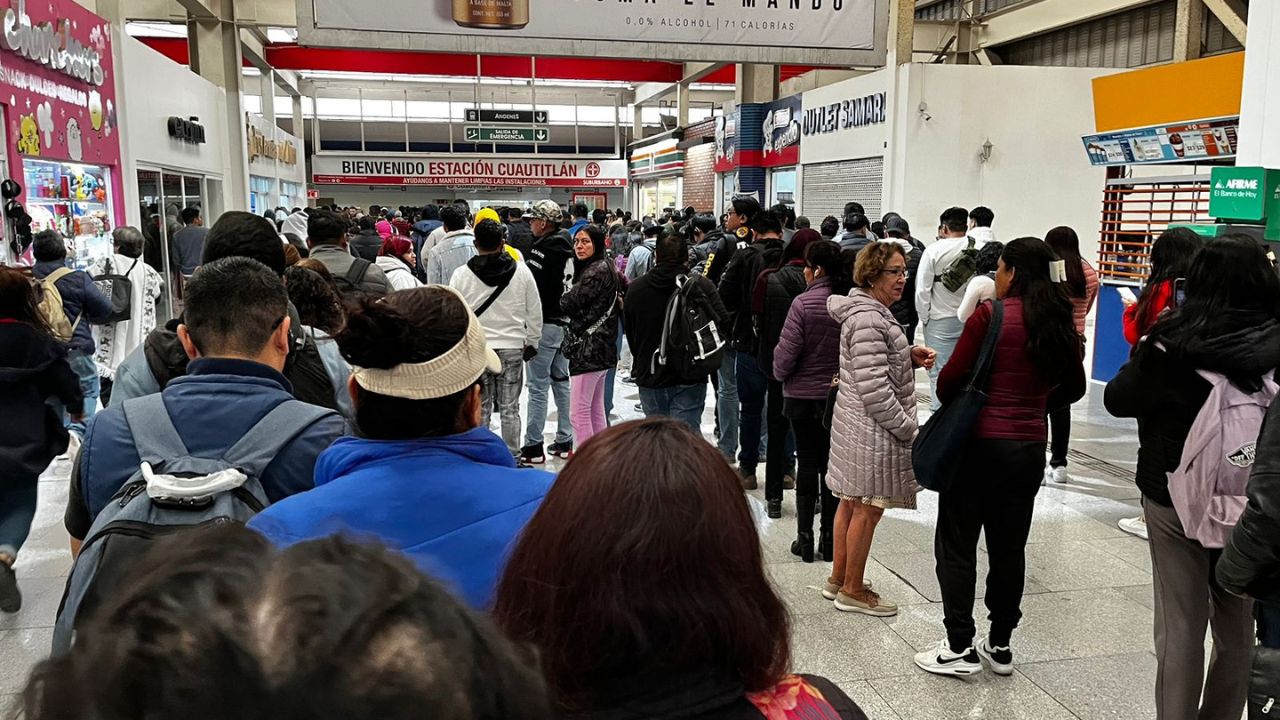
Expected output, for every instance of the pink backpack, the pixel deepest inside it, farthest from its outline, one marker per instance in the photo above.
(1208, 488)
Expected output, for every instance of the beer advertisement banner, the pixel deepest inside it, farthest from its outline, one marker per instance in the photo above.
(760, 27)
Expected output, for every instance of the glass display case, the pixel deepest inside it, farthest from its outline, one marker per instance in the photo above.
(75, 200)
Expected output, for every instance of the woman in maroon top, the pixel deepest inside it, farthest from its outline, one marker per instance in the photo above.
(1038, 366)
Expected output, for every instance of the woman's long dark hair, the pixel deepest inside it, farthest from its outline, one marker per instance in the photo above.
(1047, 313)
(644, 500)
(1231, 286)
(826, 254)
(1171, 257)
(20, 300)
(1064, 241)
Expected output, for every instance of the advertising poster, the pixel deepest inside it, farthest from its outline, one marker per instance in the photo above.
(726, 143)
(390, 170)
(1208, 139)
(781, 132)
(760, 25)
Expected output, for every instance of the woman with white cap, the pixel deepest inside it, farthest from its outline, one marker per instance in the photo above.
(425, 475)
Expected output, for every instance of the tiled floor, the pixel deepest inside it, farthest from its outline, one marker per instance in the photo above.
(1083, 650)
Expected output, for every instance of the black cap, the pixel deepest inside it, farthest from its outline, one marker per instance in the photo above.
(654, 231)
(897, 227)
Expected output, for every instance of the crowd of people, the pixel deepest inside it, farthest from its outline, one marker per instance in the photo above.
(334, 391)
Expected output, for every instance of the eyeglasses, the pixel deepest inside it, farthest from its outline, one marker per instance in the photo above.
(906, 274)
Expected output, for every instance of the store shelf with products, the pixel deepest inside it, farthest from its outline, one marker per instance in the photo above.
(74, 200)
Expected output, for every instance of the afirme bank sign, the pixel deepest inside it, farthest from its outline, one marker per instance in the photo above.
(373, 169)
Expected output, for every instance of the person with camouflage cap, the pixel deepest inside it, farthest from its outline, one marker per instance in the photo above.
(548, 259)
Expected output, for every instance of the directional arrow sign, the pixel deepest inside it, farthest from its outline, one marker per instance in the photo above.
(538, 117)
(506, 134)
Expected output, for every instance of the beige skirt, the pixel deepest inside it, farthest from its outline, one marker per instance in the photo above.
(884, 503)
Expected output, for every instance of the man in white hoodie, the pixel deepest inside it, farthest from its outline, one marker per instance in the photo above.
(980, 219)
(504, 296)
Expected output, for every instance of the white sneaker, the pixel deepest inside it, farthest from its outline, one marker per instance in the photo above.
(1136, 526)
(1000, 659)
(941, 661)
(73, 449)
(1058, 475)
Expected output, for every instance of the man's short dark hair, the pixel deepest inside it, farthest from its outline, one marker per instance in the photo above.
(233, 305)
(580, 210)
(856, 221)
(854, 207)
(431, 212)
(982, 216)
(453, 217)
(803, 223)
(368, 223)
(766, 223)
(954, 219)
(746, 206)
(830, 226)
(489, 236)
(243, 234)
(706, 222)
(189, 215)
(48, 246)
(325, 228)
(466, 206)
(599, 216)
(671, 248)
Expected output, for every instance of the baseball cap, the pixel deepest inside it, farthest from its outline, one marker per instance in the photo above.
(897, 227)
(548, 210)
(488, 214)
(454, 371)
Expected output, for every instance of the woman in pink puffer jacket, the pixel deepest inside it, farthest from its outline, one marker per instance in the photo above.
(874, 422)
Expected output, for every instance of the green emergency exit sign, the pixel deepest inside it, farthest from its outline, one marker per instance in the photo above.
(1244, 194)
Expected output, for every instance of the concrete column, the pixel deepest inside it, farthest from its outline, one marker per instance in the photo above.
(1188, 30)
(682, 105)
(756, 84)
(268, 93)
(216, 56)
(902, 31)
(299, 129)
(1260, 140)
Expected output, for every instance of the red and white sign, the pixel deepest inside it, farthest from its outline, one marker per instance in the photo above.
(313, 194)
(486, 171)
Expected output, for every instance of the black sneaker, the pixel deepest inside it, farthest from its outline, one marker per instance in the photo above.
(10, 596)
(561, 450)
(775, 509)
(533, 454)
(999, 658)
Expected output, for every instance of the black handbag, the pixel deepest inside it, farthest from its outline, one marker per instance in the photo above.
(943, 438)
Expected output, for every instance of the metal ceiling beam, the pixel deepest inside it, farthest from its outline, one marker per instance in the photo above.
(1232, 13)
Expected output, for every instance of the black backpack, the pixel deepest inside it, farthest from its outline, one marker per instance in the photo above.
(349, 283)
(692, 344)
(120, 289)
(306, 371)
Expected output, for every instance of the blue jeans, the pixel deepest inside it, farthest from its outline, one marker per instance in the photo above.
(545, 372)
(17, 510)
(727, 404)
(85, 369)
(753, 386)
(941, 334)
(680, 402)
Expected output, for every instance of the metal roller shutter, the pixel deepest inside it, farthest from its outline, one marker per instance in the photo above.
(828, 186)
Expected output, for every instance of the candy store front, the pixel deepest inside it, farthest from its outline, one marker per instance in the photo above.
(60, 132)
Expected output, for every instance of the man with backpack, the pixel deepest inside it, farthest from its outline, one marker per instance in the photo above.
(504, 297)
(218, 444)
(71, 304)
(161, 358)
(945, 269)
(355, 277)
(675, 325)
(454, 249)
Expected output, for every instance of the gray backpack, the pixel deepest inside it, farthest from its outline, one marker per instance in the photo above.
(172, 491)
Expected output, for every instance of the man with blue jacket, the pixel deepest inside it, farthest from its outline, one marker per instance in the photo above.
(235, 330)
(84, 305)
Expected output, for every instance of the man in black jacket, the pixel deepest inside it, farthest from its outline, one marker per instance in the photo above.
(519, 235)
(736, 287)
(1250, 563)
(904, 311)
(368, 242)
(663, 392)
(548, 258)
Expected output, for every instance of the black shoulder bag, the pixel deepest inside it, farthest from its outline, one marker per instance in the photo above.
(943, 438)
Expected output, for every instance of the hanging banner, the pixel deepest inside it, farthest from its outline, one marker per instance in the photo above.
(1169, 144)
(781, 132)
(726, 143)
(826, 32)
(374, 169)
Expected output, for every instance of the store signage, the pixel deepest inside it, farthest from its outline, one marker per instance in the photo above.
(261, 146)
(313, 194)
(1243, 193)
(188, 131)
(537, 117)
(781, 133)
(845, 114)
(373, 169)
(726, 143)
(473, 133)
(664, 157)
(839, 32)
(1200, 140)
(51, 43)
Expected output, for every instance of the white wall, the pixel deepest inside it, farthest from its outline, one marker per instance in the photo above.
(154, 89)
(1038, 176)
(364, 196)
(1260, 139)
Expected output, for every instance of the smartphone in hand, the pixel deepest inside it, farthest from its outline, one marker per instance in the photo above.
(1127, 297)
(1179, 292)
